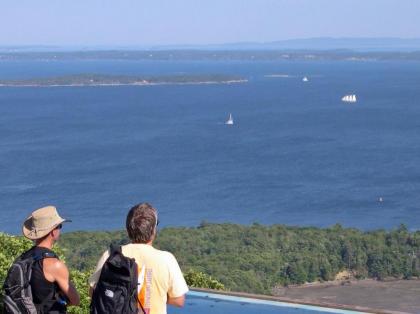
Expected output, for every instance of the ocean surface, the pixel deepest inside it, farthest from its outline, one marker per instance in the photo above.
(296, 154)
(199, 302)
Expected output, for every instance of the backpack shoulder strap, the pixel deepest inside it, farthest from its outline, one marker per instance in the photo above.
(114, 248)
(41, 255)
(49, 255)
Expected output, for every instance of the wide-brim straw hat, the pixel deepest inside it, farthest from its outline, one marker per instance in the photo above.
(41, 222)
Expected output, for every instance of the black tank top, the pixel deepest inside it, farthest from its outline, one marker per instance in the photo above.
(45, 294)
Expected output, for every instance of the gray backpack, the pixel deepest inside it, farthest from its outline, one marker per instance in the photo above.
(17, 289)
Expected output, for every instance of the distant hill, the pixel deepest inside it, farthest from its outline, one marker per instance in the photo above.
(210, 55)
(384, 44)
(321, 43)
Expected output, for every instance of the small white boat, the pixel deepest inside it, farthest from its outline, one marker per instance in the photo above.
(349, 98)
(230, 120)
(305, 79)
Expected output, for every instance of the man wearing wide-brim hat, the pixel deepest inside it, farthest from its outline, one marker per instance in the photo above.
(51, 286)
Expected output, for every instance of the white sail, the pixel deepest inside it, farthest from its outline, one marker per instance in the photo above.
(305, 79)
(349, 98)
(230, 120)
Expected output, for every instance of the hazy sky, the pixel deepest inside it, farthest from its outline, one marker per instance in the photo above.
(161, 22)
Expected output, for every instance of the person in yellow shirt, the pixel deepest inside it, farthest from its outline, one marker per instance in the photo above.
(160, 279)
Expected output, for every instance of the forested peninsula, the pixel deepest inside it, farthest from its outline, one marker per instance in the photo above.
(255, 258)
(118, 80)
(259, 258)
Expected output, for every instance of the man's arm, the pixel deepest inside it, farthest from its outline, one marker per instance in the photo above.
(57, 270)
(178, 301)
(91, 291)
(177, 286)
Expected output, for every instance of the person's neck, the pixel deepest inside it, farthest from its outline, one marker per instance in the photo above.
(46, 243)
(145, 243)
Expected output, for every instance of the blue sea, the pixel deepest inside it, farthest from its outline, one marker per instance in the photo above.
(296, 154)
(198, 302)
(209, 306)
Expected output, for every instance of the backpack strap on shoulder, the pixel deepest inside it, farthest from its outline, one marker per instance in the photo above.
(114, 248)
(49, 255)
(39, 256)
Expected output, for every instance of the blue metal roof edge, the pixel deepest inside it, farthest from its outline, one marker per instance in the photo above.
(272, 303)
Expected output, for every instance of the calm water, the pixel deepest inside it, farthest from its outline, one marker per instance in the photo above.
(296, 154)
(204, 303)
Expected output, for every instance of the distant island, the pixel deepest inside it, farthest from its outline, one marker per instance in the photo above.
(118, 80)
(212, 55)
(361, 44)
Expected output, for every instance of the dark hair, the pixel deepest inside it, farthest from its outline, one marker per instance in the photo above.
(141, 223)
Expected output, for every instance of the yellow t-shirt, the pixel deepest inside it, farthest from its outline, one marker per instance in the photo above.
(159, 276)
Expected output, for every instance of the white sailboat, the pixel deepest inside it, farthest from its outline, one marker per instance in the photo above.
(230, 120)
(349, 98)
(305, 79)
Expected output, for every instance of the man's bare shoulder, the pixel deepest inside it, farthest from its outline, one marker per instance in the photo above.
(54, 266)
